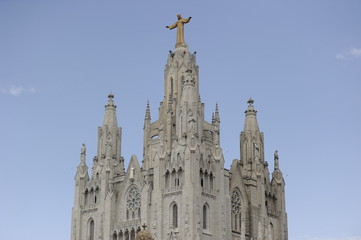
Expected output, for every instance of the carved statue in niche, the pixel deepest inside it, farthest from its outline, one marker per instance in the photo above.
(131, 174)
(191, 122)
(276, 162)
(83, 153)
(108, 145)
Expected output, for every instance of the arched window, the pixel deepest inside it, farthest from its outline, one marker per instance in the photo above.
(171, 87)
(114, 236)
(175, 215)
(271, 231)
(133, 203)
(205, 216)
(236, 211)
(167, 180)
(91, 230)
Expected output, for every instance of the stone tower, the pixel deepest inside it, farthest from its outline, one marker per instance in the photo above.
(181, 190)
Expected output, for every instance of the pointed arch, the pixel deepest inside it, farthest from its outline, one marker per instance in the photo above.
(174, 214)
(236, 210)
(91, 229)
(206, 216)
(271, 231)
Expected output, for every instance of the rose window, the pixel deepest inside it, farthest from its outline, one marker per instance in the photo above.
(133, 203)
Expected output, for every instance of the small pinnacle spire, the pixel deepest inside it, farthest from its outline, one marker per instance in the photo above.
(217, 113)
(147, 111)
(251, 123)
(110, 118)
(213, 119)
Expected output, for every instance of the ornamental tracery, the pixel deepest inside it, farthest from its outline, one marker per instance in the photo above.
(236, 203)
(133, 203)
(236, 211)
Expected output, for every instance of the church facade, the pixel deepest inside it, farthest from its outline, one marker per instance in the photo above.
(180, 189)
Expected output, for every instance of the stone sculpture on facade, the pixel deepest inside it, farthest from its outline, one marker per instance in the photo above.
(182, 188)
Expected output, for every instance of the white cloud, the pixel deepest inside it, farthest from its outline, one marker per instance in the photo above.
(349, 54)
(17, 90)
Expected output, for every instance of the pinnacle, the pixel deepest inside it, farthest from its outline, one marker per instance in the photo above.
(251, 123)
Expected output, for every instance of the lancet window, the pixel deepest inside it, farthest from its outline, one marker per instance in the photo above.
(236, 211)
(175, 215)
(91, 230)
(206, 216)
(133, 203)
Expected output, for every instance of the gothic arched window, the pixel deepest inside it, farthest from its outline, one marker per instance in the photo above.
(91, 230)
(175, 215)
(205, 216)
(133, 203)
(114, 236)
(236, 210)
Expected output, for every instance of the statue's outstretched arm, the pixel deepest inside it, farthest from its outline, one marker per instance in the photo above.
(172, 26)
(187, 20)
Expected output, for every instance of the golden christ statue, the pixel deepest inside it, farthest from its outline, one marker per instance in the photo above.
(180, 29)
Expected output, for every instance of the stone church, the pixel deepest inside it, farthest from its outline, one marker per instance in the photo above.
(180, 189)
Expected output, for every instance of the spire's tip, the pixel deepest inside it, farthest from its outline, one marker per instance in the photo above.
(250, 101)
(111, 95)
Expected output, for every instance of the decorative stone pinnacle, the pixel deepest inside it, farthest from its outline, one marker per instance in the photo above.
(110, 95)
(250, 101)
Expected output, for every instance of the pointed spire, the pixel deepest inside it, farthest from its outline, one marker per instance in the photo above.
(216, 115)
(251, 123)
(147, 111)
(110, 118)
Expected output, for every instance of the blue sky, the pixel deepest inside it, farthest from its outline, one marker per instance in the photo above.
(299, 60)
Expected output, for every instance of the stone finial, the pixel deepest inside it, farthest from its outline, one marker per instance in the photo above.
(250, 101)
